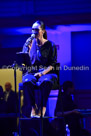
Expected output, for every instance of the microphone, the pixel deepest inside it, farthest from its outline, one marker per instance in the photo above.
(29, 40)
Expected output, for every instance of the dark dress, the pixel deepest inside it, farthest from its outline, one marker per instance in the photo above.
(46, 56)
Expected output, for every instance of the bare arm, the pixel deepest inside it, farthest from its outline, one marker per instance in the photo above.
(68, 112)
(48, 69)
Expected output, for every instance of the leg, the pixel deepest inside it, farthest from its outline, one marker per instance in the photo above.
(29, 98)
(45, 89)
(29, 82)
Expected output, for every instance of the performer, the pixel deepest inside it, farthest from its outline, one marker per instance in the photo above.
(43, 56)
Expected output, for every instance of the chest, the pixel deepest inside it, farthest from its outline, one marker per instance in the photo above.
(43, 53)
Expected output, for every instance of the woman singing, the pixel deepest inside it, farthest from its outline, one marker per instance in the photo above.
(43, 56)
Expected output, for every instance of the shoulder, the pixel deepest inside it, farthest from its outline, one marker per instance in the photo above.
(12, 92)
(51, 44)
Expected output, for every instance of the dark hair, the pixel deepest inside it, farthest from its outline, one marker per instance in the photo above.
(42, 25)
(67, 84)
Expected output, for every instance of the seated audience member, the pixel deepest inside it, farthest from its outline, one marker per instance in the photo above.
(10, 98)
(72, 116)
(2, 102)
(3, 110)
(11, 102)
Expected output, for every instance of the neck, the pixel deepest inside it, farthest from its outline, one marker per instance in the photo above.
(67, 92)
(42, 41)
(8, 91)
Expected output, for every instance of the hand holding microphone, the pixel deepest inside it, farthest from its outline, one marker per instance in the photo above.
(28, 43)
(29, 40)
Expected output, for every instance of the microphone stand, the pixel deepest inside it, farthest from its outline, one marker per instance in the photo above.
(14, 66)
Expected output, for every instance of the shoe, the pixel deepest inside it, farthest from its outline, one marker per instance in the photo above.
(43, 112)
(33, 112)
(36, 116)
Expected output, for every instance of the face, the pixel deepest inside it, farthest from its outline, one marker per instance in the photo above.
(8, 86)
(37, 30)
(71, 90)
